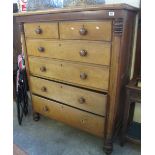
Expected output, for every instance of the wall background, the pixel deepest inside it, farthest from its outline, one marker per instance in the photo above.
(135, 3)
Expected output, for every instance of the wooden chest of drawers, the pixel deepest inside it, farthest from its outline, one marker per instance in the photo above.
(78, 62)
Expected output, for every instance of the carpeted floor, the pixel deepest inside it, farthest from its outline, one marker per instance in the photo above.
(49, 137)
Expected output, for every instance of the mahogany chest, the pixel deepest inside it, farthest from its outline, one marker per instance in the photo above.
(78, 62)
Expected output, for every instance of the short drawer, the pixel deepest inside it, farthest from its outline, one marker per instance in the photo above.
(81, 74)
(76, 97)
(83, 51)
(41, 30)
(83, 120)
(93, 30)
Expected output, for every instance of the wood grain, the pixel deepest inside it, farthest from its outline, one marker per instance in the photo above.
(83, 120)
(49, 30)
(93, 102)
(97, 52)
(95, 30)
(97, 76)
(120, 6)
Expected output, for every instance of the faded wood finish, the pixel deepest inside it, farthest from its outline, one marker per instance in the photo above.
(121, 6)
(86, 121)
(41, 30)
(93, 51)
(94, 70)
(76, 97)
(90, 30)
(76, 73)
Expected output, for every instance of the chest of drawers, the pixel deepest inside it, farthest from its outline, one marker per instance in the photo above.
(78, 62)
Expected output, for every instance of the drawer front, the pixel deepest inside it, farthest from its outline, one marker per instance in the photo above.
(41, 30)
(80, 74)
(80, 98)
(95, 30)
(82, 51)
(83, 120)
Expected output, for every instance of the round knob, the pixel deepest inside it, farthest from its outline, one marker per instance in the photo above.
(83, 31)
(45, 109)
(43, 69)
(38, 31)
(43, 89)
(41, 49)
(83, 53)
(81, 100)
(83, 76)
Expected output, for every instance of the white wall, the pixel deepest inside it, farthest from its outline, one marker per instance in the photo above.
(135, 3)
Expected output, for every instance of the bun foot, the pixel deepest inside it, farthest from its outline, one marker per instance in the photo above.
(36, 117)
(108, 147)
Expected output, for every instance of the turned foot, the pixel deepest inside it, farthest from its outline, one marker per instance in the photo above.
(36, 117)
(108, 147)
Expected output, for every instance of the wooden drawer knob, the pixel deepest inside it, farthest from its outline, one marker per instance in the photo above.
(81, 100)
(83, 31)
(83, 53)
(43, 69)
(45, 109)
(41, 49)
(83, 76)
(38, 31)
(44, 89)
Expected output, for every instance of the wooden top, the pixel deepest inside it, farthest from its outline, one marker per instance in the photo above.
(121, 6)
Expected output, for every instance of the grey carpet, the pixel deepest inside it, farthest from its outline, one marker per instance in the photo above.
(49, 137)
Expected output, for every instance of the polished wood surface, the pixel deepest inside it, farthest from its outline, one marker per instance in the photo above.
(86, 30)
(41, 30)
(86, 121)
(96, 52)
(76, 97)
(77, 73)
(120, 6)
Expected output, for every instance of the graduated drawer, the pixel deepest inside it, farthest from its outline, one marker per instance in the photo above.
(82, 51)
(41, 30)
(76, 97)
(83, 120)
(81, 74)
(88, 30)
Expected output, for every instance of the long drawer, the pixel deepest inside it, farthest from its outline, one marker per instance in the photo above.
(86, 75)
(41, 30)
(76, 97)
(82, 51)
(86, 30)
(83, 120)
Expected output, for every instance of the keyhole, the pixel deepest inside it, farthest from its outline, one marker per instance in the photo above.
(83, 121)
